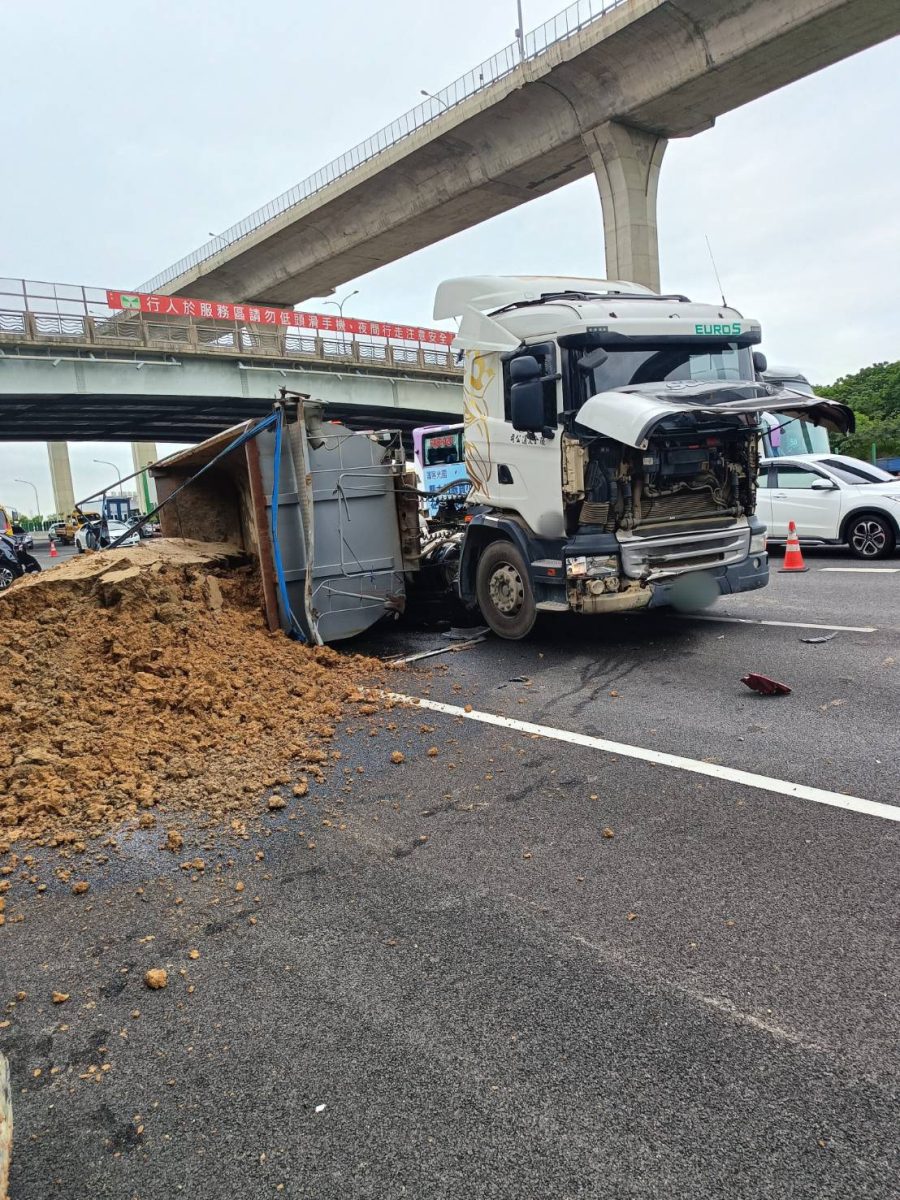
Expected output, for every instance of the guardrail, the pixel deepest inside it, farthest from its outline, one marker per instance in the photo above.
(229, 339)
(565, 24)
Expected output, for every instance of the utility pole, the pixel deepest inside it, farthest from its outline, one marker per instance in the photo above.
(520, 32)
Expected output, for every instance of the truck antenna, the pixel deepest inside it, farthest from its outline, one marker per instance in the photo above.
(716, 271)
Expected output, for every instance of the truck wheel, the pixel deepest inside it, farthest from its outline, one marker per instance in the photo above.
(870, 536)
(504, 591)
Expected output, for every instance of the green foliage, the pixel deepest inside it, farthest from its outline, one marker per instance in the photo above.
(885, 435)
(874, 395)
(874, 391)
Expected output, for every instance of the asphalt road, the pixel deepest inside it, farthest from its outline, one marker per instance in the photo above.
(41, 552)
(470, 991)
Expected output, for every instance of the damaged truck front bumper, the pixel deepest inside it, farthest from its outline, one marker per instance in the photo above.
(689, 570)
(690, 591)
(702, 587)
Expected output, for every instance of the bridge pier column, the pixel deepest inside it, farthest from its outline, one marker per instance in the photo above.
(142, 454)
(61, 477)
(626, 163)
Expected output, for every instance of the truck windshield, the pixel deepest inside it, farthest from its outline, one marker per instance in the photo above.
(667, 361)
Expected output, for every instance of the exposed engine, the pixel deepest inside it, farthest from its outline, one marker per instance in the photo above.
(694, 469)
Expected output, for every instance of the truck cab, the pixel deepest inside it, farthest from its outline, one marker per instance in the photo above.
(611, 440)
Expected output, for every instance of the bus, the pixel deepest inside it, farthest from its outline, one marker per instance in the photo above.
(782, 438)
(440, 460)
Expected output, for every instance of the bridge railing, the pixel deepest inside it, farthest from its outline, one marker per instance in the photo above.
(20, 327)
(565, 24)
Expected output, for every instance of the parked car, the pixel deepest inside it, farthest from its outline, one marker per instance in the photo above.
(15, 561)
(834, 499)
(94, 536)
(22, 537)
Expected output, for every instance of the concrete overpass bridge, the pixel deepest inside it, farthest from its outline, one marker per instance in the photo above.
(73, 367)
(599, 89)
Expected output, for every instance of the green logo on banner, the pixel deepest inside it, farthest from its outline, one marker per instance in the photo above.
(131, 302)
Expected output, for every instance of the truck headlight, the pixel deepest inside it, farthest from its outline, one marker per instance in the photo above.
(592, 567)
(758, 543)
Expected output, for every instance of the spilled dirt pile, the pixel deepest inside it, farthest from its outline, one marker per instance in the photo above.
(143, 680)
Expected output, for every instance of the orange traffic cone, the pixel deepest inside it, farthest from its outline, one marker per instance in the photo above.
(54, 553)
(793, 559)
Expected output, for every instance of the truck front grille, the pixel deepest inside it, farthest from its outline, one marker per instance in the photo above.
(656, 557)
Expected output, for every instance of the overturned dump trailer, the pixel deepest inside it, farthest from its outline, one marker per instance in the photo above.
(296, 490)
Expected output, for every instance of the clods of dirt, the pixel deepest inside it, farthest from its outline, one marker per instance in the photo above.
(146, 680)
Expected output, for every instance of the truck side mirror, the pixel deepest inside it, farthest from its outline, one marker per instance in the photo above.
(590, 362)
(526, 395)
(760, 362)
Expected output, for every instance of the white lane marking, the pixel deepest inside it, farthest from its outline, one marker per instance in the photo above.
(785, 624)
(862, 570)
(800, 791)
(720, 1003)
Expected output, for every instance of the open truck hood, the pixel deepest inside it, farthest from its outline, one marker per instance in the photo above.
(630, 414)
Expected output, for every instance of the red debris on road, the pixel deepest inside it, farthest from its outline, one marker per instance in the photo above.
(764, 685)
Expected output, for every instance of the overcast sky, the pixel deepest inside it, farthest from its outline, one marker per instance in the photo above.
(132, 131)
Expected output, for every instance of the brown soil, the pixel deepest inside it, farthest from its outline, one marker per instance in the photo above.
(145, 680)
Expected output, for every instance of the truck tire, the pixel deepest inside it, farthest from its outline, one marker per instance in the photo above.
(504, 592)
(870, 535)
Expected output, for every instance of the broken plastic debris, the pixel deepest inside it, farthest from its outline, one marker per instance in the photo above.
(320, 1108)
(461, 635)
(514, 679)
(816, 641)
(764, 685)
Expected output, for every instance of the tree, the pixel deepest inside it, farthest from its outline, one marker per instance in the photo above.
(874, 395)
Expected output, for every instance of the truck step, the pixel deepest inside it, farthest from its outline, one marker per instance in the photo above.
(544, 563)
(552, 606)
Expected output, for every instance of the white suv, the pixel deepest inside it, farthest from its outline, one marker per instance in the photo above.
(833, 499)
(90, 536)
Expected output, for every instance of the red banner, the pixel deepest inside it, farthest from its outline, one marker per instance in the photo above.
(259, 314)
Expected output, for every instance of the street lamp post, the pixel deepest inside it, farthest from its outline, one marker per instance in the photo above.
(339, 305)
(37, 501)
(520, 32)
(106, 463)
(432, 96)
(218, 236)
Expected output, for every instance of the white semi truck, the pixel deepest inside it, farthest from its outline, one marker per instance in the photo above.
(611, 447)
(611, 438)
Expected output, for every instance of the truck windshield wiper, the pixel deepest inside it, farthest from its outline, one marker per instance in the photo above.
(549, 297)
